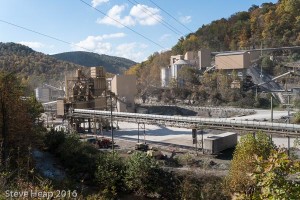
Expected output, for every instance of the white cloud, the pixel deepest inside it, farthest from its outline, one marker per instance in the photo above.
(185, 19)
(33, 45)
(96, 3)
(145, 15)
(100, 44)
(164, 37)
(142, 14)
(114, 15)
(96, 44)
(133, 51)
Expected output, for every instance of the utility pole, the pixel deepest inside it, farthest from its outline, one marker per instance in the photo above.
(261, 57)
(111, 122)
(271, 108)
(288, 109)
(138, 132)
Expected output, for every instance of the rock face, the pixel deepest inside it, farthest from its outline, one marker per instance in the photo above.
(182, 110)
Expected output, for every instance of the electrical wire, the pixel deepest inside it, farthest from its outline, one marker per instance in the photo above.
(162, 21)
(42, 34)
(171, 16)
(89, 5)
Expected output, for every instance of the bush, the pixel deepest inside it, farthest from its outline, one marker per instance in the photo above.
(296, 118)
(139, 166)
(145, 177)
(54, 139)
(242, 162)
(79, 157)
(110, 174)
(205, 186)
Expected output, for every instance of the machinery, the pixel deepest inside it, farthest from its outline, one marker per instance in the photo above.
(83, 91)
(89, 91)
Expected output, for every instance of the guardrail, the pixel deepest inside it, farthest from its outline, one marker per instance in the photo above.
(190, 122)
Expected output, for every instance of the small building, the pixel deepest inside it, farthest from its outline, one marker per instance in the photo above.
(232, 61)
(217, 143)
(198, 60)
(124, 87)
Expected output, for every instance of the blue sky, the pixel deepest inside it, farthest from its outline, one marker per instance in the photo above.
(82, 26)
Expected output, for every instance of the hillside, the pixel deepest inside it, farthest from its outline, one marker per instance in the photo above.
(269, 25)
(112, 64)
(33, 67)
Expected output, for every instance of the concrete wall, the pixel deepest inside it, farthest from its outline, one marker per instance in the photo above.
(173, 59)
(60, 107)
(204, 56)
(232, 60)
(217, 143)
(192, 58)
(124, 86)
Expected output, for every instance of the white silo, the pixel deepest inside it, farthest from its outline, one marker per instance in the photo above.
(165, 76)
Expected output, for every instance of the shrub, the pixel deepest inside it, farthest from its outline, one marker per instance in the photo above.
(208, 187)
(54, 139)
(139, 166)
(79, 157)
(110, 174)
(242, 162)
(296, 118)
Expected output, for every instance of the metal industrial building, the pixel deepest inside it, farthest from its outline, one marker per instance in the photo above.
(84, 91)
(124, 88)
(199, 60)
(48, 93)
(235, 60)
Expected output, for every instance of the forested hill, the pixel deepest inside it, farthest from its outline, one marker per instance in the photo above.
(112, 64)
(272, 25)
(32, 66)
(269, 25)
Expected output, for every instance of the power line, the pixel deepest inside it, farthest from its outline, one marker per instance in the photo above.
(171, 16)
(42, 34)
(162, 21)
(123, 25)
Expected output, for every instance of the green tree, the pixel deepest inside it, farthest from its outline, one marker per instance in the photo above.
(11, 108)
(242, 163)
(273, 177)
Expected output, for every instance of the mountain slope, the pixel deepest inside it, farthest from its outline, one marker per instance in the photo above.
(32, 66)
(269, 25)
(112, 64)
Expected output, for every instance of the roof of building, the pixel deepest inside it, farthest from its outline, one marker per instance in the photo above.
(231, 53)
(180, 62)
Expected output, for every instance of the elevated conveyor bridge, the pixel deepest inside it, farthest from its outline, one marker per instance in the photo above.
(283, 129)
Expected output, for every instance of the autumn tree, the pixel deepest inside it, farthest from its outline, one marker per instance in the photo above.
(17, 115)
(249, 146)
(274, 177)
